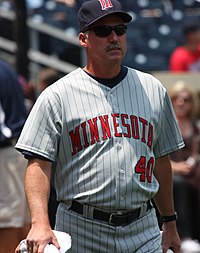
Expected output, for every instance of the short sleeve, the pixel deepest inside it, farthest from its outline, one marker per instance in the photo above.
(41, 132)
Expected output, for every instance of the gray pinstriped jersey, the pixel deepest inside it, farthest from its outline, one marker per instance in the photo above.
(103, 141)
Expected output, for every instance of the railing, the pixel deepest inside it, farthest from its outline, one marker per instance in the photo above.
(34, 54)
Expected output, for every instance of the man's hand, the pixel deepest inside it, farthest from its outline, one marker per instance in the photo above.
(38, 237)
(170, 237)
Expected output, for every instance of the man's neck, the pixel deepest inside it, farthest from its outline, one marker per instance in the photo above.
(111, 82)
(103, 71)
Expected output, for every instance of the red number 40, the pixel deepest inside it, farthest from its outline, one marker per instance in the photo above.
(145, 169)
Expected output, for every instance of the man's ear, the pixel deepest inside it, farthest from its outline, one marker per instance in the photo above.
(83, 39)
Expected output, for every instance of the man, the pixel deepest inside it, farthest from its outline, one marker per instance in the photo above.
(186, 58)
(14, 218)
(104, 128)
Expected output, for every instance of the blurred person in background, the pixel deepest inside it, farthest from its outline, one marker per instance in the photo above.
(186, 58)
(46, 77)
(186, 162)
(35, 86)
(14, 214)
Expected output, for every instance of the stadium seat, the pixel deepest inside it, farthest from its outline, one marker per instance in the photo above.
(146, 62)
(139, 5)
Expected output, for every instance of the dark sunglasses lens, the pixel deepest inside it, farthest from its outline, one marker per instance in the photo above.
(103, 31)
(120, 29)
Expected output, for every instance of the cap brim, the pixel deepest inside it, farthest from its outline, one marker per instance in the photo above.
(125, 16)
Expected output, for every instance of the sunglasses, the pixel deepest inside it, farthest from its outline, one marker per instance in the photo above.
(105, 30)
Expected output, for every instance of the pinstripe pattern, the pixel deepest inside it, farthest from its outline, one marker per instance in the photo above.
(100, 138)
(102, 173)
(141, 236)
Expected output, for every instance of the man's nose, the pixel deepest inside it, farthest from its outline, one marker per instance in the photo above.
(113, 36)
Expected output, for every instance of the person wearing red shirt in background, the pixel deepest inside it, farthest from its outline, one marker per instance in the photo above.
(186, 58)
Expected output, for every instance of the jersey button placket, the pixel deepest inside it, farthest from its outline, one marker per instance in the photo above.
(121, 173)
(112, 99)
(119, 146)
(115, 109)
(118, 142)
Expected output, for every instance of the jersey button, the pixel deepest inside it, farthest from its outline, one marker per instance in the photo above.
(115, 108)
(119, 146)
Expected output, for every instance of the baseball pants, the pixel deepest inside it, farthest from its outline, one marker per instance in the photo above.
(93, 236)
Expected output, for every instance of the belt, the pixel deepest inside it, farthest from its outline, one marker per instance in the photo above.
(115, 218)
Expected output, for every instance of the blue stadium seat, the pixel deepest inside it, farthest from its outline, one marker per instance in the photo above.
(139, 5)
(183, 4)
(191, 18)
(135, 36)
(146, 62)
(165, 31)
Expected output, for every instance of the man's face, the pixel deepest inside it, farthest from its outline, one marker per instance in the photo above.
(194, 37)
(109, 49)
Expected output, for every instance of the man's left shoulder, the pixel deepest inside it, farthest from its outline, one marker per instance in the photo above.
(145, 77)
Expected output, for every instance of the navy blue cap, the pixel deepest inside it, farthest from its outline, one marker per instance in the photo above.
(93, 10)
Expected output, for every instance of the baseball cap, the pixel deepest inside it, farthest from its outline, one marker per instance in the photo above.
(93, 10)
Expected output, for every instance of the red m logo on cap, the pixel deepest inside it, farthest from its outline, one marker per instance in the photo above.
(105, 4)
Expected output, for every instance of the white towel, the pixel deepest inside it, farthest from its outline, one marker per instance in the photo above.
(64, 241)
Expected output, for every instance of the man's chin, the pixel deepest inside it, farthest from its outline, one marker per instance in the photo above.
(116, 55)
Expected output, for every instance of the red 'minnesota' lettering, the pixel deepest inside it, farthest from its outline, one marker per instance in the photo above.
(94, 131)
(76, 140)
(105, 127)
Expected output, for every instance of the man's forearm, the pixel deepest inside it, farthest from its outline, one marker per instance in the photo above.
(37, 187)
(165, 204)
(164, 198)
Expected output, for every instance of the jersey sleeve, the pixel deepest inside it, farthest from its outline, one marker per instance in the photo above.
(169, 137)
(41, 132)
